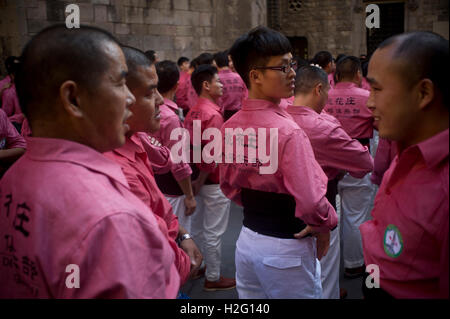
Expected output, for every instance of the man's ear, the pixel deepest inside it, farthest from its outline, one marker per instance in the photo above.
(425, 90)
(206, 86)
(318, 89)
(255, 76)
(69, 94)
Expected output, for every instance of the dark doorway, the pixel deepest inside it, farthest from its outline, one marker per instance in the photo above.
(392, 18)
(300, 46)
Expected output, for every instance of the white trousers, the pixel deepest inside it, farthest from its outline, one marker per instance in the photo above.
(356, 201)
(276, 268)
(209, 223)
(330, 266)
(179, 209)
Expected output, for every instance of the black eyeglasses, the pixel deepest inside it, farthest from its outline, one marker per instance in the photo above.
(282, 68)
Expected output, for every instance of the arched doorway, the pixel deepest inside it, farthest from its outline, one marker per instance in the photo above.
(299, 46)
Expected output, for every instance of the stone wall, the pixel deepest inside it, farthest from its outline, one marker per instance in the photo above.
(339, 26)
(171, 27)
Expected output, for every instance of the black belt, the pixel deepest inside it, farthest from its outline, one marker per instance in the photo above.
(364, 141)
(168, 184)
(270, 214)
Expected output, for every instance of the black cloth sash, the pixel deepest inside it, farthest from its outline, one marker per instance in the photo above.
(270, 214)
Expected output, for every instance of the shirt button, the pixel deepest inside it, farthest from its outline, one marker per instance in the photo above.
(388, 191)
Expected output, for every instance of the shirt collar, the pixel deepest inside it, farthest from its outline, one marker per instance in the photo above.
(204, 101)
(435, 149)
(171, 105)
(294, 109)
(257, 104)
(345, 85)
(60, 150)
(131, 149)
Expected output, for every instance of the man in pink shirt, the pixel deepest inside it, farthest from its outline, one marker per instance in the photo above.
(12, 144)
(407, 237)
(334, 150)
(143, 82)
(183, 64)
(8, 96)
(71, 227)
(234, 89)
(210, 220)
(187, 97)
(283, 195)
(347, 102)
(11, 64)
(176, 185)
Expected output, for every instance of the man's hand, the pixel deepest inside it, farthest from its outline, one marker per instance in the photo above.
(190, 204)
(323, 239)
(191, 249)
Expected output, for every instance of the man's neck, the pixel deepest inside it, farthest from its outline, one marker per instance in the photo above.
(428, 127)
(354, 81)
(208, 97)
(253, 94)
(170, 95)
(307, 101)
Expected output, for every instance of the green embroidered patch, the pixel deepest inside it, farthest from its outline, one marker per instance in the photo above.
(393, 241)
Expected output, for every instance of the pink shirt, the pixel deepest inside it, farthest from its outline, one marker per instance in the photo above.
(137, 169)
(9, 137)
(331, 79)
(75, 208)
(4, 81)
(169, 122)
(365, 85)
(347, 103)
(386, 152)
(208, 113)
(234, 91)
(333, 148)
(408, 234)
(26, 130)
(285, 103)
(11, 106)
(186, 96)
(298, 173)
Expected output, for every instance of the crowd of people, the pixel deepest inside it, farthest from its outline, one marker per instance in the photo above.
(90, 129)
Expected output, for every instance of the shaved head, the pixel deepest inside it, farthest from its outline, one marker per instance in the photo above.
(421, 55)
(58, 54)
(308, 77)
(135, 59)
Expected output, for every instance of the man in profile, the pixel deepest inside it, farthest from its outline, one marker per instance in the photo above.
(63, 203)
(408, 234)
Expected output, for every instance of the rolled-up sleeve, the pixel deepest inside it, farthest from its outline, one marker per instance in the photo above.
(305, 180)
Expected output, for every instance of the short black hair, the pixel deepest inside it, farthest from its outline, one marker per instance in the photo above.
(205, 58)
(423, 55)
(300, 62)
(202, 73)
(340, 57)
(151, 55)
(168, 75)
(255, 48)
(322, 58)
(221, 59)
(347, 68)
(135, 58)
(12, 64)
(308, 77)
(55, 55)
(194, 63)
(181, 60)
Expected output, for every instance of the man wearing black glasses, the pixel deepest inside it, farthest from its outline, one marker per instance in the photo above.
(275, 257)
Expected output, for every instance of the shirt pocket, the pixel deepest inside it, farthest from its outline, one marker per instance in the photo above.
(282, 262)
